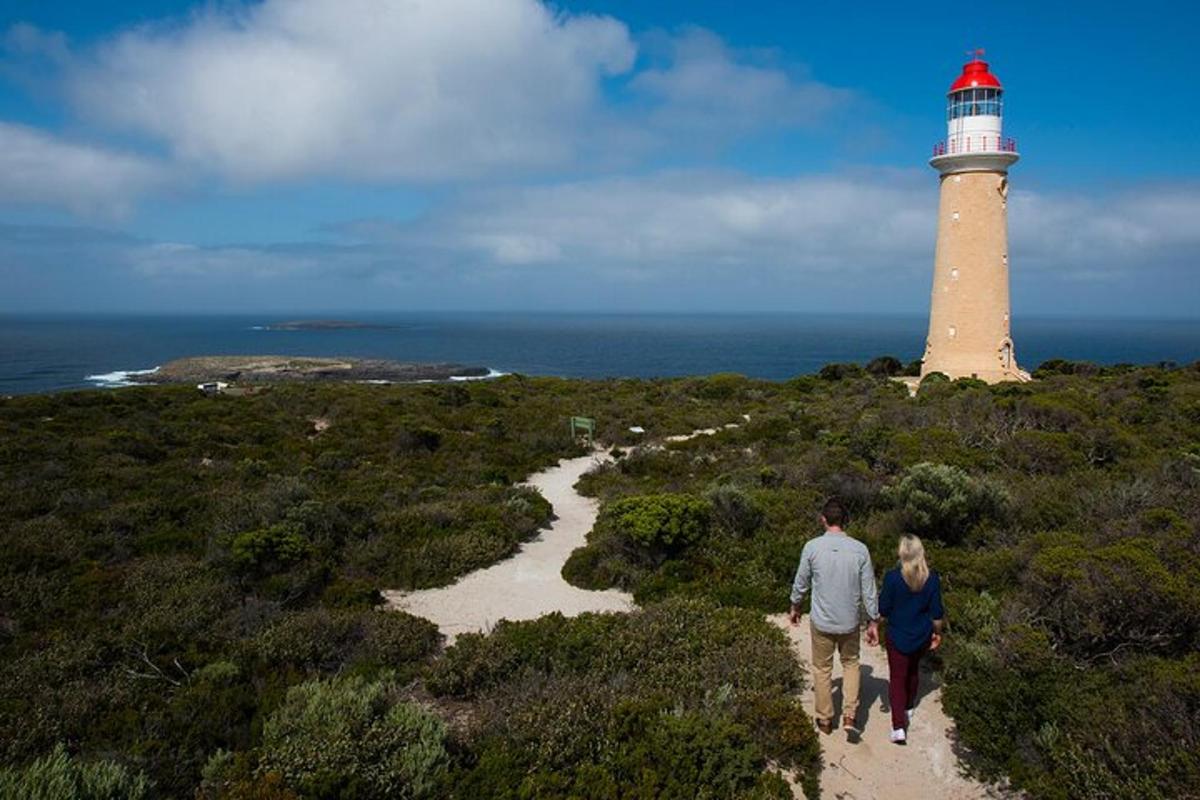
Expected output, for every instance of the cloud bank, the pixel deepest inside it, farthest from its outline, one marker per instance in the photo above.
(683, 240)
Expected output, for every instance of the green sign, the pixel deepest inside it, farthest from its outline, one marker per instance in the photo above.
(584, 426)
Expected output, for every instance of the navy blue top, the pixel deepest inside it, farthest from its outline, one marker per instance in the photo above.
(910, 614)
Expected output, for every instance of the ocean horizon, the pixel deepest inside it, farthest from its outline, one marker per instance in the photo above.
(55, 352)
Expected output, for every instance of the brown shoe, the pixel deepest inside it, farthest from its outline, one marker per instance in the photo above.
(849, 725)
(825, 726)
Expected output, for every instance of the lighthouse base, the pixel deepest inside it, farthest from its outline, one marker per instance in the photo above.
(988, 376)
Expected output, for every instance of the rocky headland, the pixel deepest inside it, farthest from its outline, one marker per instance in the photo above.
(274, 369)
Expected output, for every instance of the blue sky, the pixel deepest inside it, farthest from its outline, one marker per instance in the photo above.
(506, 154)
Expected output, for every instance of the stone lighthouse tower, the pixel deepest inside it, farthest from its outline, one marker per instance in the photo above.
(969, 312)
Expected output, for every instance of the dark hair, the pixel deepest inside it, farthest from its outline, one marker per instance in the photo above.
(835, 513)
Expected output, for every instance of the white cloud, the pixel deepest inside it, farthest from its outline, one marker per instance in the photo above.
(1104, 236)
(39, 169)
(686, 221)
(417, 90)
(707, 89)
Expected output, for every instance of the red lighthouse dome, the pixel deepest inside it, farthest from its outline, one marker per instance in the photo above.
(975, 74)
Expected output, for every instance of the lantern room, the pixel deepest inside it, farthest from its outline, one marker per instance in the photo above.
(975, 102)
(974, 110)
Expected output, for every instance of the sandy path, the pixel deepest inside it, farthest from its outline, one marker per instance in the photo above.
(924, 768)
(530, 583)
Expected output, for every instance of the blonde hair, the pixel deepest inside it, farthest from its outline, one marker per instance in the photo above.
(913, 567)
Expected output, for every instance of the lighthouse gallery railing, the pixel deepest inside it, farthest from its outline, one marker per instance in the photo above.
(976, 144)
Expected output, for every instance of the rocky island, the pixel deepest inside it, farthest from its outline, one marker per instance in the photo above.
(275, 369)
(320, 325)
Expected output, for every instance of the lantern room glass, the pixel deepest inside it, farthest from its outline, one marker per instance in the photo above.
(974, 103)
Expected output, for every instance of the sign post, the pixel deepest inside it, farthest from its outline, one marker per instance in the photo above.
(584, 426)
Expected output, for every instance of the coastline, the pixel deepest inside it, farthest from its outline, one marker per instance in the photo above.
(50, 353)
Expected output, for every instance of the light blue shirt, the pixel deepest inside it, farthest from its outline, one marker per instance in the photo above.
(838, 570)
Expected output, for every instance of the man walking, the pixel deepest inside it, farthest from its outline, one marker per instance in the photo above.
(838, 570)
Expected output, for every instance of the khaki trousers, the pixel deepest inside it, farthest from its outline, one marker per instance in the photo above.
(846, 645)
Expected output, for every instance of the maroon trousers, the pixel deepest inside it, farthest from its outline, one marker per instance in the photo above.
(903, 679)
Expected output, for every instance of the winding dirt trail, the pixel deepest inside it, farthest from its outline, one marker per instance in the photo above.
(924, 769)
(528, 584)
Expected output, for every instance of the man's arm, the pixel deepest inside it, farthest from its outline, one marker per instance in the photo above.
(800, 585)
(870, 597)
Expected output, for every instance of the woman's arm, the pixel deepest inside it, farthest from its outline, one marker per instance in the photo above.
(937, 612)
(887, 597)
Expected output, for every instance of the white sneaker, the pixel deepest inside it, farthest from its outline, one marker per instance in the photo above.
(898, 736)
(909, 714)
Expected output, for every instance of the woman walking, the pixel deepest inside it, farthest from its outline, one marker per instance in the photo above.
(911, 601)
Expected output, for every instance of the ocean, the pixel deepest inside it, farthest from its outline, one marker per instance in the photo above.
(44, 353)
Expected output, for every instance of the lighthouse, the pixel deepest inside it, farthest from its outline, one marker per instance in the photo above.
(969, 314)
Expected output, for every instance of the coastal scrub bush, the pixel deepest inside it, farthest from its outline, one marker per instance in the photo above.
(635, 535)
(59, 776)
(661, 523)
(417, 438)
(268, 550)
(934, 378)
(1116, 600)
(944, 502)
(885, 366)
(349, 737)
(734, 509)
(324, 640)
(840, 372)
(722, 386)
(680, 699)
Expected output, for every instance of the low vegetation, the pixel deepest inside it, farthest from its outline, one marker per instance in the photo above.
(681, 700)
(189, 589)
(1064, 516)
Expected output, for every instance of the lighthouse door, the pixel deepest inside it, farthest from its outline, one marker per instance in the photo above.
(1006, 355)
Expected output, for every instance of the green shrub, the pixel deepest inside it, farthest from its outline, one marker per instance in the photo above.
(1043, 452)
(734, 509)
(885, 366)
(351, 593)
(722, 386)
(59, 776)
(417, 439)
(1114, 601)
(602, 564)
(1060, 366)
(325, 640)
(353, 738)
(840, 372)
(665, 523)
(266, 551)
(944, 502)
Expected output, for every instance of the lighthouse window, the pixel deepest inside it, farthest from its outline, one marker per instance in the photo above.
(975, 102)
(954, 273)
(954, 215)
(953, 331)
